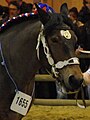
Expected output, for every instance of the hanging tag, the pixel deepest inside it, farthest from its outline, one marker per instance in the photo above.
(21, 103)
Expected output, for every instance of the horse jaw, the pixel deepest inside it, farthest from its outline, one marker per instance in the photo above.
(43, 15)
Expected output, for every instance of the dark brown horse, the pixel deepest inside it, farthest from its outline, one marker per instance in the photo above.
(20, 60)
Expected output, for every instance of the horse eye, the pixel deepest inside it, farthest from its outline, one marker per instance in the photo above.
(55, 39)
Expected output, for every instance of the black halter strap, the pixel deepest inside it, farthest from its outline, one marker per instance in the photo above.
(83, 99)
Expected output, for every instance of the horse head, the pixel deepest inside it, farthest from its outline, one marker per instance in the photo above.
(59, 42)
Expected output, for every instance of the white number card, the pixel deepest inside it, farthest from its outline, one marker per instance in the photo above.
(21, 103)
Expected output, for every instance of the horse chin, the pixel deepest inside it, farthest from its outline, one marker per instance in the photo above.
(70, 91)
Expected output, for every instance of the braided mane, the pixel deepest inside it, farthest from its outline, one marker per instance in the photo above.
(16, 20)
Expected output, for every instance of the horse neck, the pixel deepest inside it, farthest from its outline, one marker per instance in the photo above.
(21, 51)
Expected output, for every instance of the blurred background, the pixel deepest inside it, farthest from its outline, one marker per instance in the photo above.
(53, 3)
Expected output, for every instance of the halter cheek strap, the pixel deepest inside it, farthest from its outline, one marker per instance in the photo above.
(59, 64)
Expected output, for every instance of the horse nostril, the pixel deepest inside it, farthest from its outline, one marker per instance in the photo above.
(75, 83)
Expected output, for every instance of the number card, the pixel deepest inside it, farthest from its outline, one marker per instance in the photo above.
(21, 103)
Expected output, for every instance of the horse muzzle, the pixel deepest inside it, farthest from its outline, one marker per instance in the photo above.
(73, 83)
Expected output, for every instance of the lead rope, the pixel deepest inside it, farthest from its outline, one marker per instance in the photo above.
(83, 99)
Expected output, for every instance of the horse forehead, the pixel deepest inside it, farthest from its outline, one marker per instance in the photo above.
(53, 27)
(64, 38)
(65, 33)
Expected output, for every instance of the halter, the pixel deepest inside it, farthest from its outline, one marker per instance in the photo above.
(59, 64)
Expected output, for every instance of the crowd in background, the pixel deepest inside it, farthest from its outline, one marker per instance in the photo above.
(16, 7)
(81, 20)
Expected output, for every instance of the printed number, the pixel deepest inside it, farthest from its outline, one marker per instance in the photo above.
(22, 102)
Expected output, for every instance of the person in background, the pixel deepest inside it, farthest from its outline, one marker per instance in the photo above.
(86, 76)
(3, 13)
(24, 7)
(73, 15)
(84, 13)
(84, 41)
(13, 11)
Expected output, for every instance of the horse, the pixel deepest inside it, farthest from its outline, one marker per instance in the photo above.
(26, 43)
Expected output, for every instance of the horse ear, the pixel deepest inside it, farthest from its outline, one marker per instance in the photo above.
(64, 9)
(44, 16)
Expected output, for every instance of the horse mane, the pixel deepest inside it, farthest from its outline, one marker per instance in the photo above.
(55, 22)
(16, 20)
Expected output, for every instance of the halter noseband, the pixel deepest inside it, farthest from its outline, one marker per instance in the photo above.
(59, 64)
